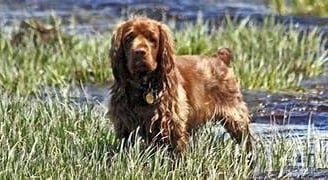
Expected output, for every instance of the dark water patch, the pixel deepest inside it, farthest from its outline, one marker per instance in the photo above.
(295, 173)
(286, 108)
(317, 85)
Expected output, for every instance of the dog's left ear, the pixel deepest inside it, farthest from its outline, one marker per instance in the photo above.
(166, 52)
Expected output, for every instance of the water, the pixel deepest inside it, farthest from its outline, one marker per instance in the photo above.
(282, 112)
(100, 15)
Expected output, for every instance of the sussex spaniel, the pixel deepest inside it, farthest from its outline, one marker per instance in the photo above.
(165, 95)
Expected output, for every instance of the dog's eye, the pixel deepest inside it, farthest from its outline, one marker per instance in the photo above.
(128, 38)
(153, 40)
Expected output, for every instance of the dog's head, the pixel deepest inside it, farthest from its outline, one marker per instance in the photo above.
(140, 47)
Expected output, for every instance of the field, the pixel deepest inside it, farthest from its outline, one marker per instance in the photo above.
(42, 137)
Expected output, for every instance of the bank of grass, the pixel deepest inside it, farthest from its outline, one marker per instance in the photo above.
(300, 7)
(56, 139)
(268, 56)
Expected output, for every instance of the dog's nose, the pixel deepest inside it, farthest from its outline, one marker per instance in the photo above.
(140, 52)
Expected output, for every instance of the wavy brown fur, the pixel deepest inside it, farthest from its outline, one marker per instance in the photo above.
(188, 90)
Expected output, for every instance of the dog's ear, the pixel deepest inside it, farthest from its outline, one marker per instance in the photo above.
(166, 52)
(117, 55)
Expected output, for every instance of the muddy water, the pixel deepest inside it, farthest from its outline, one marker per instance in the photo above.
(282, 112)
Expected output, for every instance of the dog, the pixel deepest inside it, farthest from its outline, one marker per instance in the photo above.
(167, 96)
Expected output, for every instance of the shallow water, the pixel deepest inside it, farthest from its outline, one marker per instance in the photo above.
(282, 112)
(86, 16)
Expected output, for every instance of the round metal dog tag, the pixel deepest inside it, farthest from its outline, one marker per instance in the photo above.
(150, 98)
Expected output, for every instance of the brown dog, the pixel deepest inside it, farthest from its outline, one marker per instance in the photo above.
(167, 96)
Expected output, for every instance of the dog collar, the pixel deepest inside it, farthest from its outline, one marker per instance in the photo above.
(151, 94)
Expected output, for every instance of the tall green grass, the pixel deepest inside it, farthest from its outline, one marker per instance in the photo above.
(268, 56)
(55, 138)
(26, 68)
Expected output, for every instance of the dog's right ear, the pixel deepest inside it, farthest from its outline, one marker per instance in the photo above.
(117, 55)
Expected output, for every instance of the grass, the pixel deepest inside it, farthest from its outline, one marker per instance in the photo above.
(300, 7)
(27, 68)
(57, 139)
(268, 56)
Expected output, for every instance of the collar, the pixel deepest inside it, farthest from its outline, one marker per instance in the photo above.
(150, 91)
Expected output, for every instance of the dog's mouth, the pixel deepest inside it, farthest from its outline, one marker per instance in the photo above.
(142, 68)
(142, 77)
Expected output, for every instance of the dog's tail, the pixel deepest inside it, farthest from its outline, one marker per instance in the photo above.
(225, 55)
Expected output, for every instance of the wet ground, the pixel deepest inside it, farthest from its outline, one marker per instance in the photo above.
(289, 113)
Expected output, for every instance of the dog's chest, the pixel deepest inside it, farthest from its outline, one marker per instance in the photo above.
(134, 112)
(143, 112)
(145, 118)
